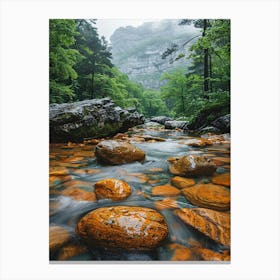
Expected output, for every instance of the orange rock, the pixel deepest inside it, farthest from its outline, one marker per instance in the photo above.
(74, 159)
(181, 253)
(221, 179)
(221, 160)
(79, 194)
(58, 171)
(201, 143)
(165, 190)
(115, 152)
(209, 255)
(213, 224)
(78, 183)
(167, 203)
(70, 251)
(181, 182)
(193, 166)
(125, 227)
(59, 179)
(209, 196)
(87, 171)
(58, 236)
(112, 188)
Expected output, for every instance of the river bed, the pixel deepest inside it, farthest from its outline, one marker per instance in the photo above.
(74, 166)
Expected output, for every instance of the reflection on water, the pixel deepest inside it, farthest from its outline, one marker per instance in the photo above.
(82, 171)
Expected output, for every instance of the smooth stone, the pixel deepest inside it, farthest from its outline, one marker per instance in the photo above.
(200, 143)
(192, 166)
(79, 194)
(166, 203)
(126, 227)
(113, 189)
(165, 190)
(58, 236)
(209, 196)
(221, 179)
(181, 182)
(214, 224)
(71, 250)
(115, 152)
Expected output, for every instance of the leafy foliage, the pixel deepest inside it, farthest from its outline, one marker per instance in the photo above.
(62, 58)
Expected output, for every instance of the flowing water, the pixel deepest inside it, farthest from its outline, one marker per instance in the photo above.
(79, 169)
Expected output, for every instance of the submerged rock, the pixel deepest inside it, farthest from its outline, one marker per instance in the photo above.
(181, 182)
(213, 224)
(192, 165)
(58, 236)
(165, 190)
(210, 255)
(126, 227)
(208, 196)
(88, 119)
(115, 152)
(112, 188)
(182, 253)
(79, 194)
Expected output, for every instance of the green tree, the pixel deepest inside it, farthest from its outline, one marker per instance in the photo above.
(62, 58)
(96, 58)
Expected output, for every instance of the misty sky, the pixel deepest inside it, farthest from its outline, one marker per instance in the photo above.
(106, 27)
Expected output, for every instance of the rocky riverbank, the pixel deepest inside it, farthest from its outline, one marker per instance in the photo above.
(88, 119)
(162, 195)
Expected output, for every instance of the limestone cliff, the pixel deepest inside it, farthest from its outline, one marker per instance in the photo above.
(137, 50)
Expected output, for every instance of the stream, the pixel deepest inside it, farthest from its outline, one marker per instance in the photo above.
(74, 166)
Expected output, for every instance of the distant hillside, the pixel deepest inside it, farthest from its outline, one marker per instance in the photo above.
(137, 50)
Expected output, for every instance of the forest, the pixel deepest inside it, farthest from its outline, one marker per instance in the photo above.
(81, 68)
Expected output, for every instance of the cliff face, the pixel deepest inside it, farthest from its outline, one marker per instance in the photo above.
(137, 50)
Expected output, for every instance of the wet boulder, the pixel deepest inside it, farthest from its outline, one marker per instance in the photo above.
(214, 224)
(176, 124)
(116, 152)
(222, 123)
(209, 196)
(126, 227)
(93, 118)
(192, 166)
(113, 189)
(160, 119)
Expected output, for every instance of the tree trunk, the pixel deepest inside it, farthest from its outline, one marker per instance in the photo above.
(205, 64)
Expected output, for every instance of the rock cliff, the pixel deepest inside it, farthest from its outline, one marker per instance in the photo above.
(137, 50)
(89, 118)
